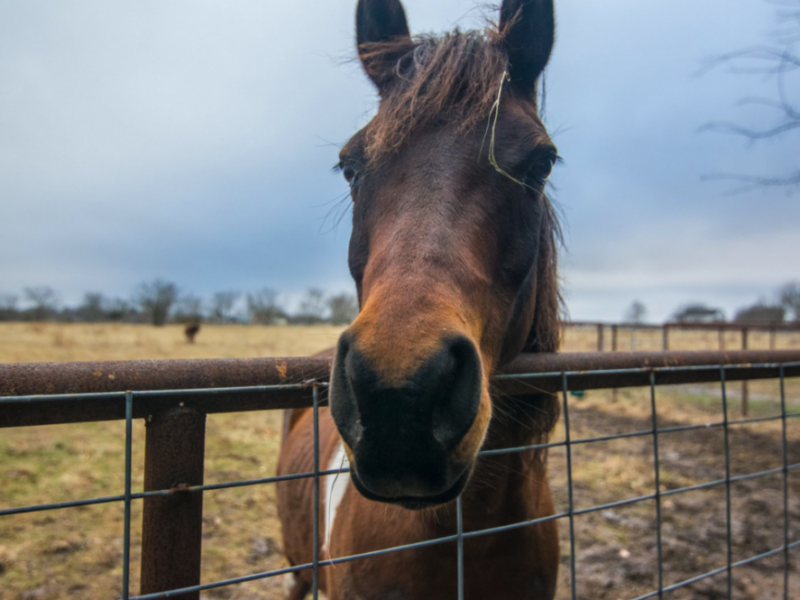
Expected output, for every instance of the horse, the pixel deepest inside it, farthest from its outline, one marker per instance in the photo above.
(191, 331)
(453, 253)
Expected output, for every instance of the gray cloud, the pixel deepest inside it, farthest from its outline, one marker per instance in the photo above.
(194, 141)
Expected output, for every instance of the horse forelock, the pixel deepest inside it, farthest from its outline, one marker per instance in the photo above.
(454, 77)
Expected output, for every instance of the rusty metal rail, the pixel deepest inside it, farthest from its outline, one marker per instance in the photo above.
(82, 392)
(174, 396)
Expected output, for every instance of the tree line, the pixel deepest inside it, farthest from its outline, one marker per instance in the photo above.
(159, 302)
(784, 307)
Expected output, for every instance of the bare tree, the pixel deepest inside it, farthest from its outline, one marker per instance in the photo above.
(118, 309)
(156, 298)
(8, 307)
(263, 306)
(8, 301)
(635, 316)
(776, 61)
(45, 301)
(222, 305)
(312, 307)
(189, 309)
(761, 313)
(93, 307)
(789, 298)
(636, 313)
(343, 308)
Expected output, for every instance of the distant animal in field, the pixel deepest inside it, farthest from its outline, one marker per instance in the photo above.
(453, 252)
(191, 331)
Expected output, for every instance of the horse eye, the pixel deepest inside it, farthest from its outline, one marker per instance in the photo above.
(547, 167)
(542, 167)
(349, 173)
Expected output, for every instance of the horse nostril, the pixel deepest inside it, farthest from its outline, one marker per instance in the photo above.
(458, 393)
(344, 407)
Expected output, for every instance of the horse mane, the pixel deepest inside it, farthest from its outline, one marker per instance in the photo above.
(545, 334)
(453, 77)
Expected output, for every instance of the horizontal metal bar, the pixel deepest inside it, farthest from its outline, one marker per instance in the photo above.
(608, 438)
(49, 393)
(295, 569)
(681, 428)
(617, 504)
(58, 505)
(499, 451)
(512, 526)
(781, 327)
(716, 482)
(736, 327)
(163, 393)
(294, 476)
(222, 583)
(169, 492)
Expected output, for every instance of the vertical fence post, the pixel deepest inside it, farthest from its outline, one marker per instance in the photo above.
(600, 334)
(172, 525)
(126, 535)
(614, 334)
(315, 518)
(728, 528)
(745, 388)
(786, 516)
(570, 487)
(665, 338)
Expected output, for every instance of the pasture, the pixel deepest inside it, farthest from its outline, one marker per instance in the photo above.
(77, 553)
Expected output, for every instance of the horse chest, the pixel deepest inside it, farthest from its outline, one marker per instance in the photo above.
(335, 488)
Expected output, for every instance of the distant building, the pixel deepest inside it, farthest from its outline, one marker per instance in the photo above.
(698, 313)
(761, 314)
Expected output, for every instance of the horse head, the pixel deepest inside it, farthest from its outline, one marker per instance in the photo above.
(452, 249)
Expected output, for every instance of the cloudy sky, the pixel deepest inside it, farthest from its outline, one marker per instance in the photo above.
(192, 140)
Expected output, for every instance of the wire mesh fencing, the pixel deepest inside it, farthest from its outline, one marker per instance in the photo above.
(172, 530)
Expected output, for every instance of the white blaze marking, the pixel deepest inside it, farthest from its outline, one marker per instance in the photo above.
(335, 487)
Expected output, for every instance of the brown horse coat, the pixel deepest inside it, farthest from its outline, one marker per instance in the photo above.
(454, 256)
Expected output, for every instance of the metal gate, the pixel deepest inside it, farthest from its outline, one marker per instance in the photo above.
(175, 396)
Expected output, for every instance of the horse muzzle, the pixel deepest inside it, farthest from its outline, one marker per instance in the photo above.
(406, 438)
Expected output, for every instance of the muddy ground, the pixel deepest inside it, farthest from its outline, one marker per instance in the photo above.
(616, 549)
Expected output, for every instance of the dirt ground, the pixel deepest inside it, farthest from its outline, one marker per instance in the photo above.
(77, 552)
(616, 549)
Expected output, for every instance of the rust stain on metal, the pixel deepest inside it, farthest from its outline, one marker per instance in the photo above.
(181, 487)
(280, 366)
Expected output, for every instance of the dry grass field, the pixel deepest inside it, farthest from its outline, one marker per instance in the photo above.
(76, 553)
(44, 342)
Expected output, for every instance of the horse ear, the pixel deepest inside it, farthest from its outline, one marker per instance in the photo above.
(528, 28)
(380, 21)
